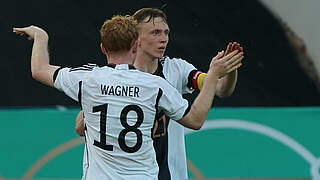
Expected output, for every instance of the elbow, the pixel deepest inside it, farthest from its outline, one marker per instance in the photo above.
(225, 94)
(35, 75)
(196, 118)
(197, 126)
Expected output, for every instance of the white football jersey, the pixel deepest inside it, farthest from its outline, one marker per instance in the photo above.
(177, 72)
(120, 107)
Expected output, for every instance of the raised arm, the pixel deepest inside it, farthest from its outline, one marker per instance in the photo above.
(219, 67)
(227, 84)
(40, 67)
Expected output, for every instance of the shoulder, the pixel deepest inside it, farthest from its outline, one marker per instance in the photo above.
(156, 80)
(83, 68)
(148, 76)
(78, 69)
(78, 72)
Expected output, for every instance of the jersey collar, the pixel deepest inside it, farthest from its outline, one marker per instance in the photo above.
(121, 66)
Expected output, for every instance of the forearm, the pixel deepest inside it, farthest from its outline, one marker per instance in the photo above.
(40, 67)
(201, 105)
(40, 55)
(227, 84)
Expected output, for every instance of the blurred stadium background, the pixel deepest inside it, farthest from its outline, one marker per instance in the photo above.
(267, 129)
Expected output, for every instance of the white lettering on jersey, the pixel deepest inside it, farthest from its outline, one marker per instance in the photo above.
(130, 91)
(120, 107)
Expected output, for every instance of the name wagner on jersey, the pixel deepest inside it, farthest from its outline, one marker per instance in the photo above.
(131, 91)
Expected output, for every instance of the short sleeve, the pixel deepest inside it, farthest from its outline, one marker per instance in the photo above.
(185, 70)
(68, 80)
(173, 103)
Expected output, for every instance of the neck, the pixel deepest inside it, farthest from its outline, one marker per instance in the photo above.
(120, 58)
(146, 63)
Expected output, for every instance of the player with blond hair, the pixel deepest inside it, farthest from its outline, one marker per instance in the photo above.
(121, 104)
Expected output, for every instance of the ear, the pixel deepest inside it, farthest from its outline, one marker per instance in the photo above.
(139, 42)
(134, 47)
(103, 49)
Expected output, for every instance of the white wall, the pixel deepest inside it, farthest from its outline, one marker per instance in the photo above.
(303, 17)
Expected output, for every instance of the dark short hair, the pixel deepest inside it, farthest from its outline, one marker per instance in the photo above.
(152, 13)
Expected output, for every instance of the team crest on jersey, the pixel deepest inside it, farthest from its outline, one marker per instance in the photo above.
(161, 60)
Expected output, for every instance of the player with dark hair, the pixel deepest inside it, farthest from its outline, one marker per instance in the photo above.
(168, 137)
(121, 104)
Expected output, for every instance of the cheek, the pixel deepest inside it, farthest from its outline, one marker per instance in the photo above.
(148, 41)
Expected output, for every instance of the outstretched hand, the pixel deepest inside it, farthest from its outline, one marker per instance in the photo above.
(223, 64)
(30, 31)
(232, 47)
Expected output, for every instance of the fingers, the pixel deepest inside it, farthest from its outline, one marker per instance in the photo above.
(230, 55)
(234, 61)
(234, 68)
(30, 31)
(229, 48)
(24, 29)
(219, 55)
(223, 64)
(234, 45)
(20, 33)
(230, 62)
(19, 30)
(235, 57)
(237, 46)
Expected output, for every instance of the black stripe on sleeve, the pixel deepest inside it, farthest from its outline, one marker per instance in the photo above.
(55, 74)
(190, 83)
(80, 94)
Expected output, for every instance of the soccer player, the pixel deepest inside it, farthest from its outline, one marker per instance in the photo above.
(169, 140)
(168, 137)
(121, 104)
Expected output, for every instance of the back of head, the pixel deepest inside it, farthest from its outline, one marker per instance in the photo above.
(152, 13)
(119, 33)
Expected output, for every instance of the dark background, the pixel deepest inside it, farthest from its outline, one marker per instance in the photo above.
(270, 75)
